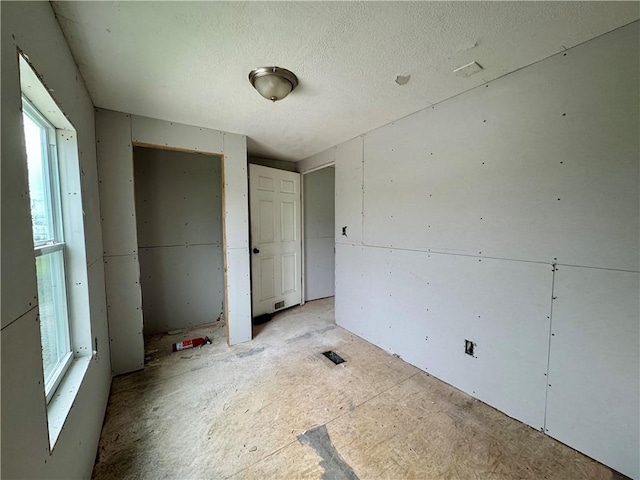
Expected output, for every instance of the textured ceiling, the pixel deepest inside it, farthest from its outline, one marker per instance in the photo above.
(188, 61)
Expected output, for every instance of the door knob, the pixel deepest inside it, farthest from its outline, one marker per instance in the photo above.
(255, 250)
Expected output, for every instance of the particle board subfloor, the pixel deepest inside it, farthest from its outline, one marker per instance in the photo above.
(246, 411)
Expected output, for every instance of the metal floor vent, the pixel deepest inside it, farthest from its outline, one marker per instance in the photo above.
(334, 357)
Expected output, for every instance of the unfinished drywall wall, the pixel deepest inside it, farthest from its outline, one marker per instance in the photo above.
(32, 28)
(178, 199)
(319, 238)
(593, 398)
(116, 135)
(509, 217)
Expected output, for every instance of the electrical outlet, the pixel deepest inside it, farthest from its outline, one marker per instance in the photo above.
(468, 347)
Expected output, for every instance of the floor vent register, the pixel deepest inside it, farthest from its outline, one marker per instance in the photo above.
(334, 357)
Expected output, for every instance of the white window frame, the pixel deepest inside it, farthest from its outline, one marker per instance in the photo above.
(76, 262)
(56, 244)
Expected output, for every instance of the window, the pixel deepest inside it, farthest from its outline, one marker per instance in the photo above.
(55, 181)
(48, 240)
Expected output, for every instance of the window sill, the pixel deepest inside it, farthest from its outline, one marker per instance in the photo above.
(62, 401)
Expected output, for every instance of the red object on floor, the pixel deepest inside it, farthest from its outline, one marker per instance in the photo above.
(194, 342)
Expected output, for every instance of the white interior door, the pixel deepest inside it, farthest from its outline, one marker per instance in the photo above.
(276, 247)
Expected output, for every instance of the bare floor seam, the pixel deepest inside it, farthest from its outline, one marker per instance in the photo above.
(295, 440)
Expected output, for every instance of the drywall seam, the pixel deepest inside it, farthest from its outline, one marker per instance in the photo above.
(20, 317)
(120, 255)
(115, 173)
(546, 393)
(598, 268)
(89, 265)
(364, 137)
(440, 252)
(213, 244)
(303, 250)
(124, 313)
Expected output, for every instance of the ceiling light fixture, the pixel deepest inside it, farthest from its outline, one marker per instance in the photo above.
(273, 83)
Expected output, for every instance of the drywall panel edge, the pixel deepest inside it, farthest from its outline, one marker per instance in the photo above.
(115, 174)
(89, 184)
(98, 309)
(238, 294)
(150, 131)
(235, 192)
(80, 432)
(182, 286)
(124, 307)
(594, 365)
(24, 420)
(236, 239)
(19, 291)
(83, 442)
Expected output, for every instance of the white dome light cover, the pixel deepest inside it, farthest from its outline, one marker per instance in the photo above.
(273, 83)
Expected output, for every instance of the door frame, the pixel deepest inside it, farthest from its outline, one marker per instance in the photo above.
(302, 210)
(220, 156)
